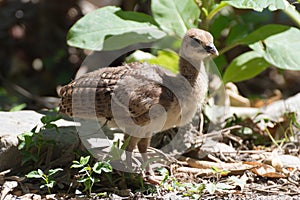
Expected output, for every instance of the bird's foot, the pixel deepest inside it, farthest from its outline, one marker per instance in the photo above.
(150, 177)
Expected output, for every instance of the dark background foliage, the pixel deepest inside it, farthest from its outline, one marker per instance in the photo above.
(34, 54)
(35, 59)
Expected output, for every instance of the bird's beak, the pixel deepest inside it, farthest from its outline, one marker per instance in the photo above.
(210, 48)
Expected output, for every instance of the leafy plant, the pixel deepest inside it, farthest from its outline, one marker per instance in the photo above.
(111, 28)
(212, 187)
(86, 172)
(219, 172)
(46, 179)
(196, 190)
(293, 123)
(118, 148)
(18, 107)
(32, 142)
(171, 184)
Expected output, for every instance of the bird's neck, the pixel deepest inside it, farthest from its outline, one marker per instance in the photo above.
(191, 70)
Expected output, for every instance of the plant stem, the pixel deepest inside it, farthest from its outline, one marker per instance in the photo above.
(293, 14)
(216, 10)
(46, 179)
(227, 48)
(271, 137)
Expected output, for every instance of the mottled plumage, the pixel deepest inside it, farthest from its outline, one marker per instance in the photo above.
(141, 98)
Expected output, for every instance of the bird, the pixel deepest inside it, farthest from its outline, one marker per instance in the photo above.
(142, 98)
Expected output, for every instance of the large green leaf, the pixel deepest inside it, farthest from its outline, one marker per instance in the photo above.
(236, 33)
(281, 50)
(259, 5)
(262, 33)
(110, 28)
(175, 16)
(220, 23)
(167, 59)
(245, 67)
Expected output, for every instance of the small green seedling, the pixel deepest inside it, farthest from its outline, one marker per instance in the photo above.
(86, 172)
(18, 107)
(47, 180)
(165, 173)
(171, 184)
(219, 172)
(32, 142)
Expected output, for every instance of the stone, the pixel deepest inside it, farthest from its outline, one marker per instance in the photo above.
(16, 123)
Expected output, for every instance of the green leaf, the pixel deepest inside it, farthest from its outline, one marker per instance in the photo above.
(236, 33)
(259, 5)
(164, 172)
(85, 179)
(88, 185)
(110, 28)
(167, 59)
(262, 33)
(245, 67)
(281, 50)
(139, 55)
(54, 171)
(115, 152)
(18, 107)
(21, 145)
(85, 169)
(84, 160)
(125, 143)
(102, 166)
(47, 119)
(175, 16)
(25, 140)
(76, 165)
(24, 135)
(220, 23)
(136, 16)
(40, 172)
(34, 174)
(49, 126)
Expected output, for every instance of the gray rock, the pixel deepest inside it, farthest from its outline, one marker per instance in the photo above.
(16, 123)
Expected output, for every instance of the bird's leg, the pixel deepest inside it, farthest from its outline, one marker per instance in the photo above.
(131, 144)
(143, 145)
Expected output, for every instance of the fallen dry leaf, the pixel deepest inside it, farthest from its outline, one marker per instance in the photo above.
(276, 162)
(7, 187)
(265, 170)
(197, 171)
(232, 167)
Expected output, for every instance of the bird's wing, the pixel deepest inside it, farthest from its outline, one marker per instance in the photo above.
(90, 95)
(139, 92)
(150, 101)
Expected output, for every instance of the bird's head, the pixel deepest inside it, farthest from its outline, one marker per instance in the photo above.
(197, 45)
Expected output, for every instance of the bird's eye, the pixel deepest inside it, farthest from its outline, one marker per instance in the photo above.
(209, 48)
(195, 42)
